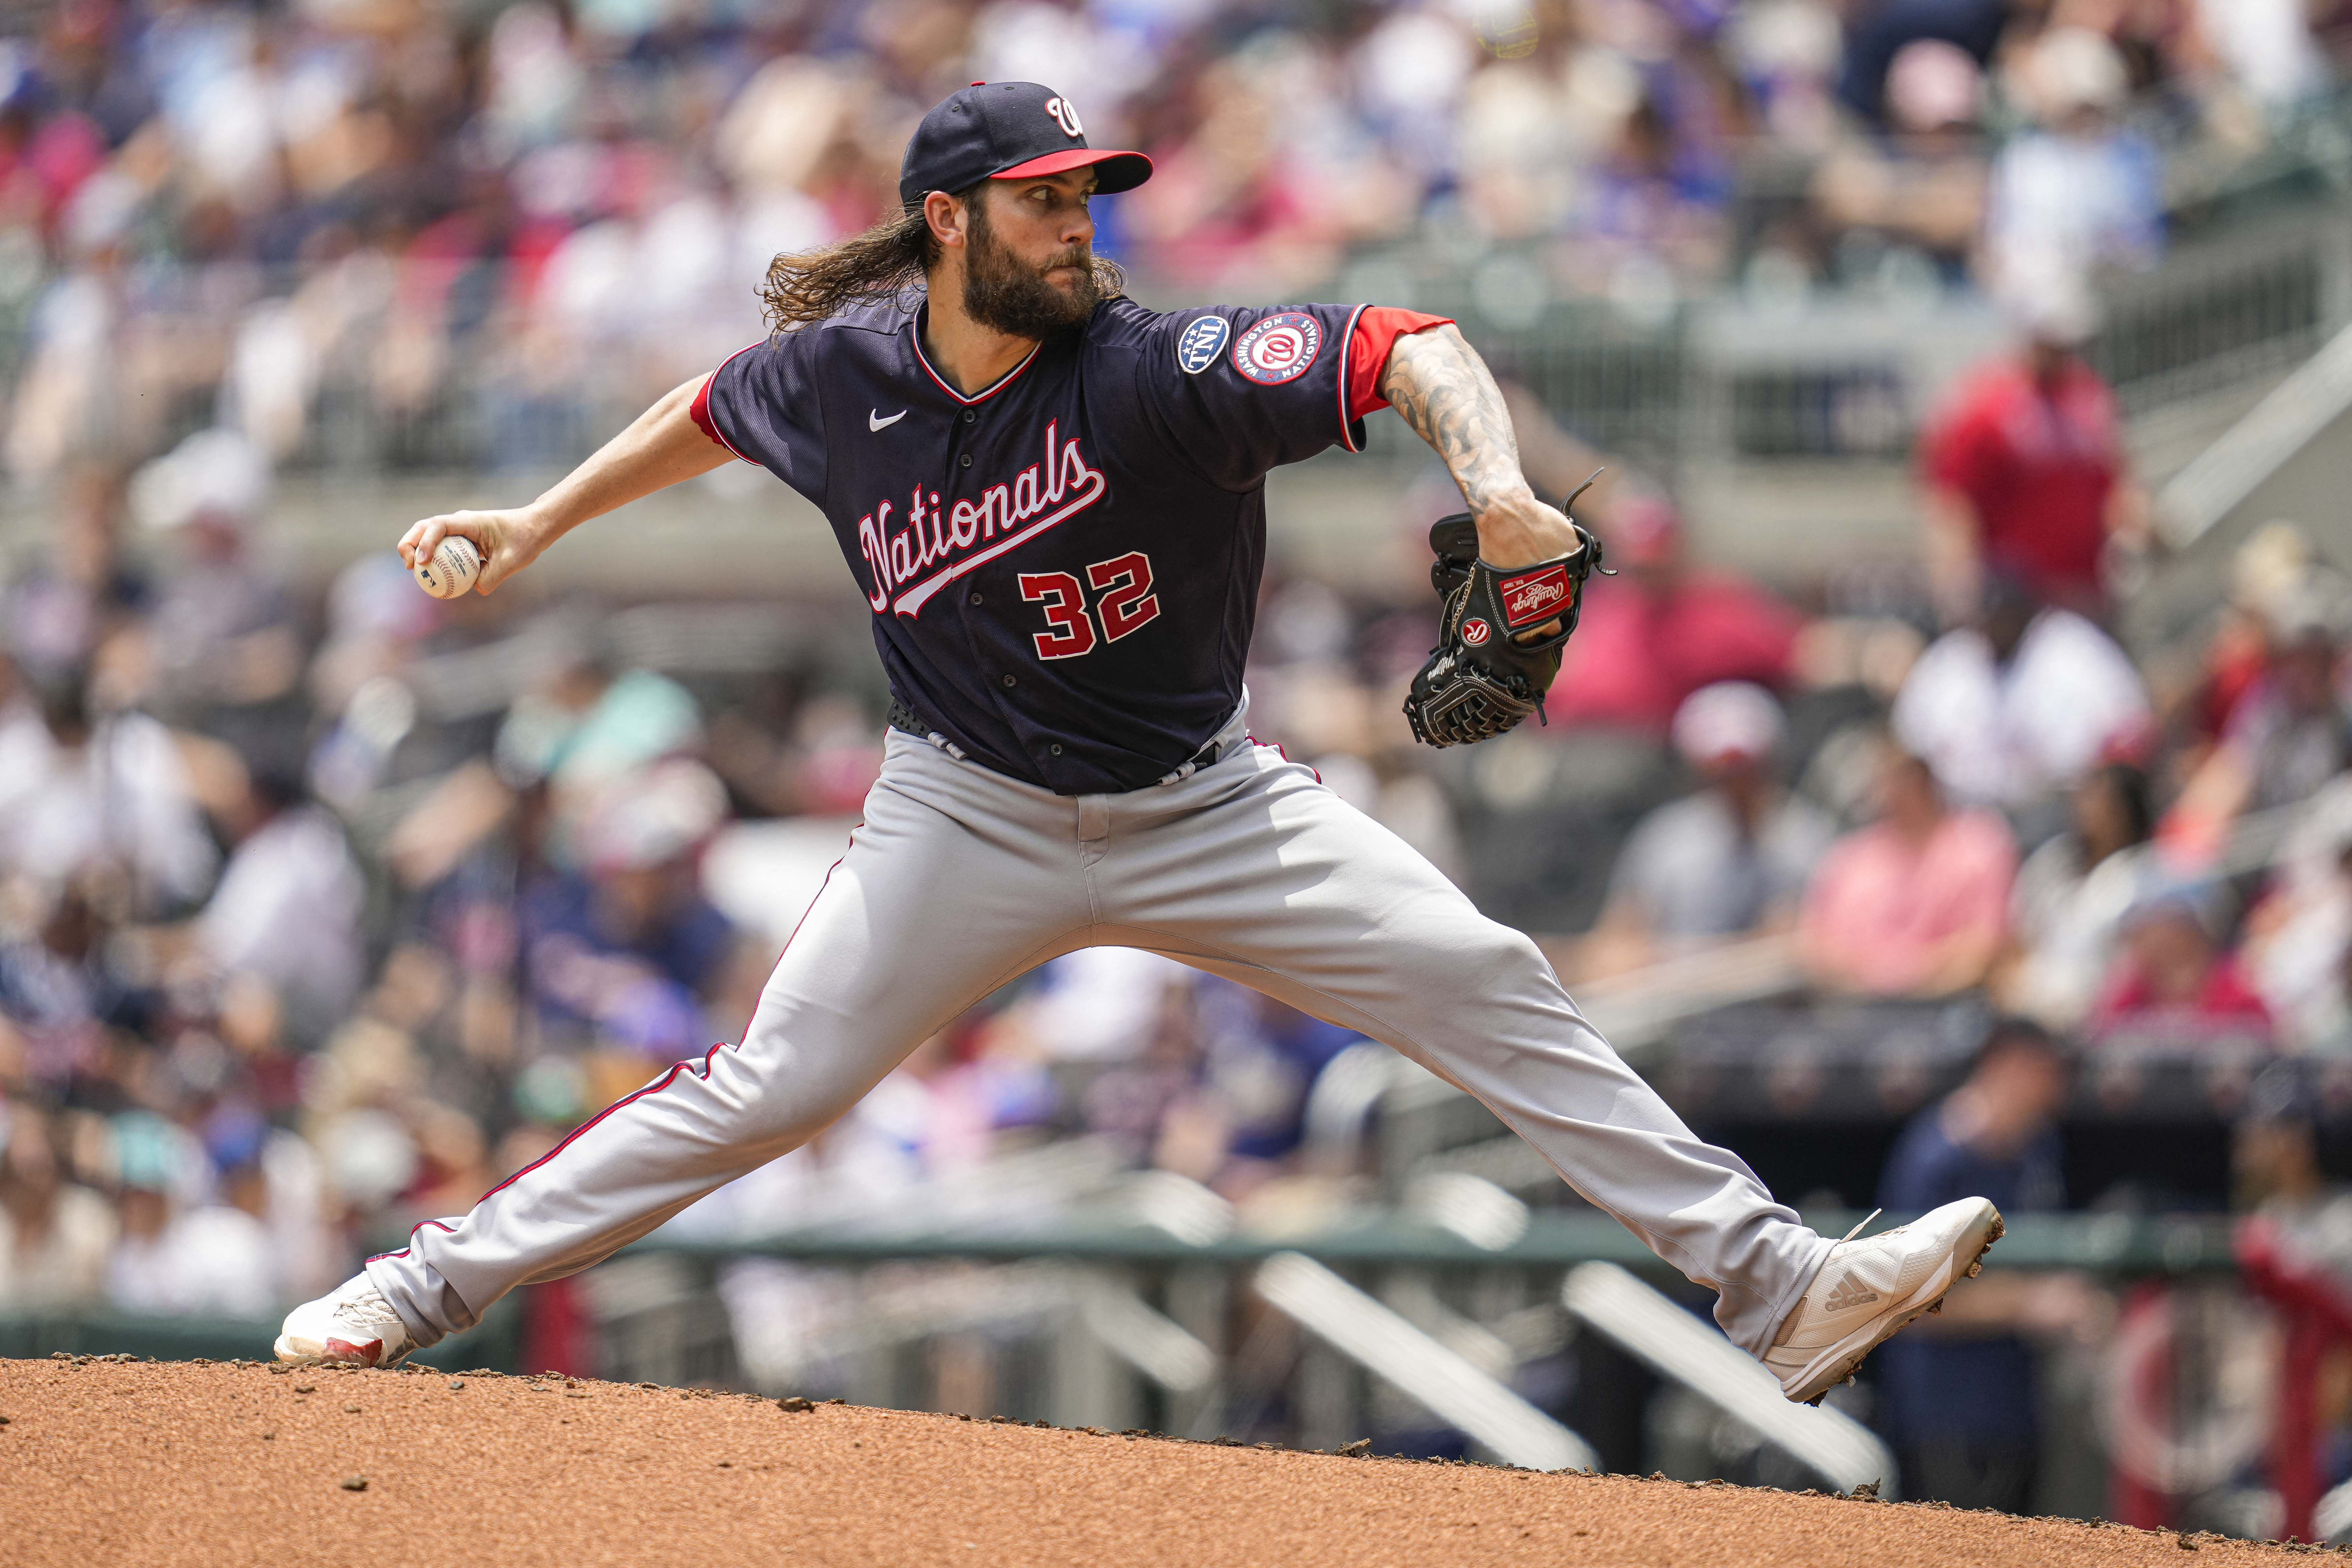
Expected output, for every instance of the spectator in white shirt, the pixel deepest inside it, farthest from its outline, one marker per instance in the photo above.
(288, 909)
(83, 792)
(177, 1254)
(1729, 859)
(2080, 191)
(2017, 709)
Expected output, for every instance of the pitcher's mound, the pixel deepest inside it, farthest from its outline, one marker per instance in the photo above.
(105, 1462)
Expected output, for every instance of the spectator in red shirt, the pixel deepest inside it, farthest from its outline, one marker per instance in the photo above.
(2174, 977)
(2024, 468)
(1662, 629)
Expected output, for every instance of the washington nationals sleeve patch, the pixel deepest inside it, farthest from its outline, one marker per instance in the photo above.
(1279, 348)
(1204, 337)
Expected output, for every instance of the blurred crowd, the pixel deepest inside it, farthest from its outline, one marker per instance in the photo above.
(491, 227)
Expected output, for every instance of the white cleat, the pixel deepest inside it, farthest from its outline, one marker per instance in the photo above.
(351, 1325)
(1867, 1289)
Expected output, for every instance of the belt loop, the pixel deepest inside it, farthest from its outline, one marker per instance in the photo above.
(1223, 745)
(1094, 817)
(906, 722)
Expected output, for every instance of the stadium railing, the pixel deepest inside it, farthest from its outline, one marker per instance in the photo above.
(1100, 1313)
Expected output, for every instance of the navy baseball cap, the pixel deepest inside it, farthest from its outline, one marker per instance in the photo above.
(1008, 131)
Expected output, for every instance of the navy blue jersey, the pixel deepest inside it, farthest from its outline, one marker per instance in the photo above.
(1063, 567)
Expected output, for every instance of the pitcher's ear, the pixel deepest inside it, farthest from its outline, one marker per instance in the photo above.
(945, 216)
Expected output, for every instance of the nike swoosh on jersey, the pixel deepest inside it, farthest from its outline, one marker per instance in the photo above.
(874, 420)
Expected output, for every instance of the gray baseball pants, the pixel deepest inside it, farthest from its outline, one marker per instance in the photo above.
(961, 880)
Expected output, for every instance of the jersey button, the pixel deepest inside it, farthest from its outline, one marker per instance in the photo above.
(1008, 680)
(964, 461)
(968, 417)
(975, 599)
(1058, 751)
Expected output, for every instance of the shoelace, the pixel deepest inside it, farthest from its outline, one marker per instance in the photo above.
(369, 1312)
(370, 1308)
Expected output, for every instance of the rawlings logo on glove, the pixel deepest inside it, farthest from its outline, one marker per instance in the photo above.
(1528, 600)
(1477, 685)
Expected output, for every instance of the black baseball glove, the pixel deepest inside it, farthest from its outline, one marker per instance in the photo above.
(1493, 662)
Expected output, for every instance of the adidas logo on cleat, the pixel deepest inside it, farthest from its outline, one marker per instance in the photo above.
(1849, 1292)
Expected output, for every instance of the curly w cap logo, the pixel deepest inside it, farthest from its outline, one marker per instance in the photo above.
(1534, 597)
(1278, 348)
(1065, 115)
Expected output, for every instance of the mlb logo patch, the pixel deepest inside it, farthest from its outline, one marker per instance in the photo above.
(1279, 348)
(1536, 597)
(1203, 340)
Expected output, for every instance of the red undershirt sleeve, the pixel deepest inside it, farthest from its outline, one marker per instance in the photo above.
(1377, 330)
(700, 410)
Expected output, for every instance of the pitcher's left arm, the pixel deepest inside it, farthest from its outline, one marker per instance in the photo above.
(1510, 572)
(1438, 384)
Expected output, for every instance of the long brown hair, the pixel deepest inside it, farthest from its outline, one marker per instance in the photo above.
(888, 259)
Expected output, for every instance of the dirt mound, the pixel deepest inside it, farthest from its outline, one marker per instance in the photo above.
(105, 1462)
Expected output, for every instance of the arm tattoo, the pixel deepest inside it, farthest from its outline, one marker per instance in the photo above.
(1441, 387)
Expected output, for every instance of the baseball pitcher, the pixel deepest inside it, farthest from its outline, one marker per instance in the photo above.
(1052, 501)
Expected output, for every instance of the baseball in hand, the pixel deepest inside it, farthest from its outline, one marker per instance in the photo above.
(452, 569)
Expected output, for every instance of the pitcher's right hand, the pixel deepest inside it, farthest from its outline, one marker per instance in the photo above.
(508, 542)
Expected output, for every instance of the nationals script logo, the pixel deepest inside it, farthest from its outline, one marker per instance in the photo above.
(939, 544)
(1530, 599)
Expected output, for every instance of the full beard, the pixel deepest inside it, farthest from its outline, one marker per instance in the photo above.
(1002, 291)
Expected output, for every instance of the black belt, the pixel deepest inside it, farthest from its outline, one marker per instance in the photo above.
(906, 722)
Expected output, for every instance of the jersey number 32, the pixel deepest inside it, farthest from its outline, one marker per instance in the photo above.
(1127, 604)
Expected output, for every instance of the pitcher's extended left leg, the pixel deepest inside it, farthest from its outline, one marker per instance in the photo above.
(1254, 869)
(952, 885)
